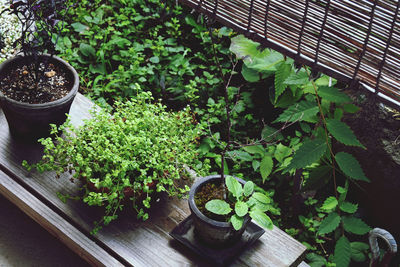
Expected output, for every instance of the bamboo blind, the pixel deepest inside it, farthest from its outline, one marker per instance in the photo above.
(357, 42)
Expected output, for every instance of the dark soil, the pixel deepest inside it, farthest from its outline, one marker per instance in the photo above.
(21, 84)
(206, 193)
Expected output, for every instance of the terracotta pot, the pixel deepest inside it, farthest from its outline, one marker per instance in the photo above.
(212, 232)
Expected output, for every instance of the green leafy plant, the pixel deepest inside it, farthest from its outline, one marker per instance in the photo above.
(125, 157)
(246, 202)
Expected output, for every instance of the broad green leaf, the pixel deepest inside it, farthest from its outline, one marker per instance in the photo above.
(233, 186)
(350, 166)
(355, 225)
(329, 224)
(255, 164)
(254, 204)
(358, 251)
(281, 152)
(350, 108)
(342, 133)
(248, 188)
(309, 152)
(315, 260)
(299, 78)
(218, 206)
(333, 94)
(348, 207)
(330, 203)
(261, 198)
(281, 74)
(87, 50)
(236, 222)
(266, 167)
(250, 75)
(302, 111)
(241, 208)
(262, 219)
(242, 155)
(256, 149)
(266, 63)
(79, 27)
(342, 252)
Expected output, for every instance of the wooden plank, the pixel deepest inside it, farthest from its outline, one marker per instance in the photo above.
(134, 242)
(55, 224)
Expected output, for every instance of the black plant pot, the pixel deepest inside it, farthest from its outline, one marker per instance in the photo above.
(214, 233)
(31, 121)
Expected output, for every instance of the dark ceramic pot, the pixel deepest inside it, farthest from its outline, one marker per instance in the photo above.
(212, 232)
(31, 121)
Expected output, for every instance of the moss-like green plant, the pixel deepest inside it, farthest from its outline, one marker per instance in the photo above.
(139, 149)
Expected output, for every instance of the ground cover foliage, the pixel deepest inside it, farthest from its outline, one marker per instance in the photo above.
(286, 121)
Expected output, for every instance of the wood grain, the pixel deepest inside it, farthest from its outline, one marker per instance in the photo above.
(128, 240)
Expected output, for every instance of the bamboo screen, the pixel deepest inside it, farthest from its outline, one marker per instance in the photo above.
(357, 42)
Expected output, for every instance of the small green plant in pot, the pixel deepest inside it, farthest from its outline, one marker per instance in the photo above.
(127, 156)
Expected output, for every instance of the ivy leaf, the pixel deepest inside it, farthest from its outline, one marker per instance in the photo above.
(236, 222)
(262, 219)
(302, 111)
(329, 224)
(330, 203)
(233, 186)
(309, 152)
(348, 207)
(248, 188)
(342, 133)
(266, 166)
(355, 225)
(218, 206)
(358, 251)
(333, 94)
(350, 166)
(241, 208)
(342, 252)
(281, 74)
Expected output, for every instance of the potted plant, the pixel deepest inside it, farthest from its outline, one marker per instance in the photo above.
(127, 156)
(36, 87)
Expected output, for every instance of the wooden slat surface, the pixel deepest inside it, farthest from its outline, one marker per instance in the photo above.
(130, 241)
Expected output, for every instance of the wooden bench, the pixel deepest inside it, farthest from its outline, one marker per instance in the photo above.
(127, 242)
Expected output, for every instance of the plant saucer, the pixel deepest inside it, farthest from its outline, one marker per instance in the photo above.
(184, 233)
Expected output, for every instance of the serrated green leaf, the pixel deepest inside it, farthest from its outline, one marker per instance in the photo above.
(358, 251)
(350, 166)
(218, 206)
(342, 133)
(241, 208)
(342, 252)
(333, 94)
(310, 152)
(269, 134)
(238, 154)
(330, 203)
(355, 225)
(302, 111)
(329, 224)
(281, 74)
(257, 149)
(348, 207)
(233, 186)
(350, 108)
(315, 260)
(248, 188)
(262, 219)
(281, 152)
(236, 222)
(299, 78)
(266, 166)
(318, 178)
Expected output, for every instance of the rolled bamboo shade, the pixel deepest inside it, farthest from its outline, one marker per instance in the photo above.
(357, 42)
